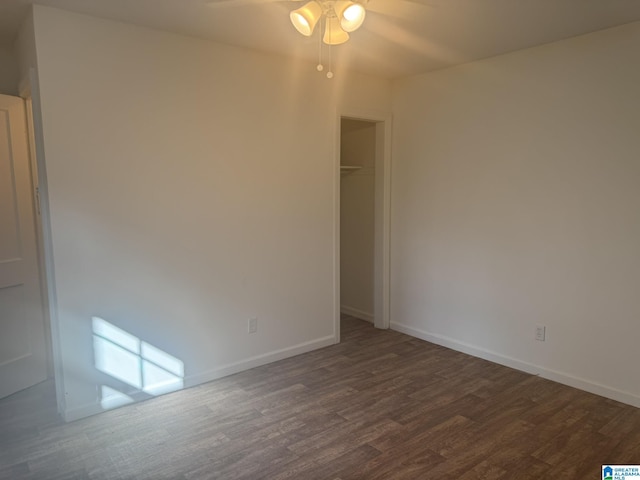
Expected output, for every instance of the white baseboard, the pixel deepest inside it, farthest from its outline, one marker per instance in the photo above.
(90, 409)
(354, 312)
(76, 413)
(258, 361)
(560, 377)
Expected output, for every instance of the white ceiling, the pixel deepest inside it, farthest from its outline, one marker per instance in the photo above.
(398, 38)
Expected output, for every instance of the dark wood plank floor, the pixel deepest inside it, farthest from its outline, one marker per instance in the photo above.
(381, 405)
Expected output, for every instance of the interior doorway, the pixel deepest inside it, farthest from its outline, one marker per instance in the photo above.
(24, 341)
(362, 211)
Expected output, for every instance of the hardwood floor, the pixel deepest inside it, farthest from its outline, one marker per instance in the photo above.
(381, 405)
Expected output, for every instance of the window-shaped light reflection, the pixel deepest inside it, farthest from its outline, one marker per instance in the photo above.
(117, 353)
(112, 398)
(162, 372)
(138, 364)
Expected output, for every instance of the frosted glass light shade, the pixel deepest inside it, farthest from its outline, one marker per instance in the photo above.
(352, 17)
(333, 32)
(306, 17)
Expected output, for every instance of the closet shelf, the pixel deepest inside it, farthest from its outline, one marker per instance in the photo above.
(349, 168)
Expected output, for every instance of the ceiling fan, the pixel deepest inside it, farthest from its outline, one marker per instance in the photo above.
(338, 17)
(384, 7)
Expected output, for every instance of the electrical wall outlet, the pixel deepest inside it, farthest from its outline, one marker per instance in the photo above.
(252, 325)
(541, 332)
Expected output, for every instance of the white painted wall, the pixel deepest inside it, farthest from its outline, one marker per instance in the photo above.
(516, 202)
(8, 70)
(25, 49)
(191, 187)
(357, 208)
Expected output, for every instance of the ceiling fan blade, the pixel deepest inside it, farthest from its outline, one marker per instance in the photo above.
(399, 8)
(238, 3)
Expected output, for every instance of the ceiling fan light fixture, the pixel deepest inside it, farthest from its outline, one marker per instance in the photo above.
(340, 17)
(333, 33)
(305, 18)
(352, 16)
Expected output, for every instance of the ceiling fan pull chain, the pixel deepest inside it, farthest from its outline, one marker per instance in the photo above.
(320, 67)
(330, 72)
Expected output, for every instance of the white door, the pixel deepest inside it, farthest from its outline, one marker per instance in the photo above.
(23, 360)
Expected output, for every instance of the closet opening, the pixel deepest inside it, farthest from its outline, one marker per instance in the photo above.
(363, 220)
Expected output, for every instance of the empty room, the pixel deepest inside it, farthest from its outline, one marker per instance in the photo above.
(318, 239)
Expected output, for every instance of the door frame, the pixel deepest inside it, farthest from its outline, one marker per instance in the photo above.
(382, 271)
(29, 91)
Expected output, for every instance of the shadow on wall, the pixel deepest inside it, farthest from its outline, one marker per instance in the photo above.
(135, 369)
